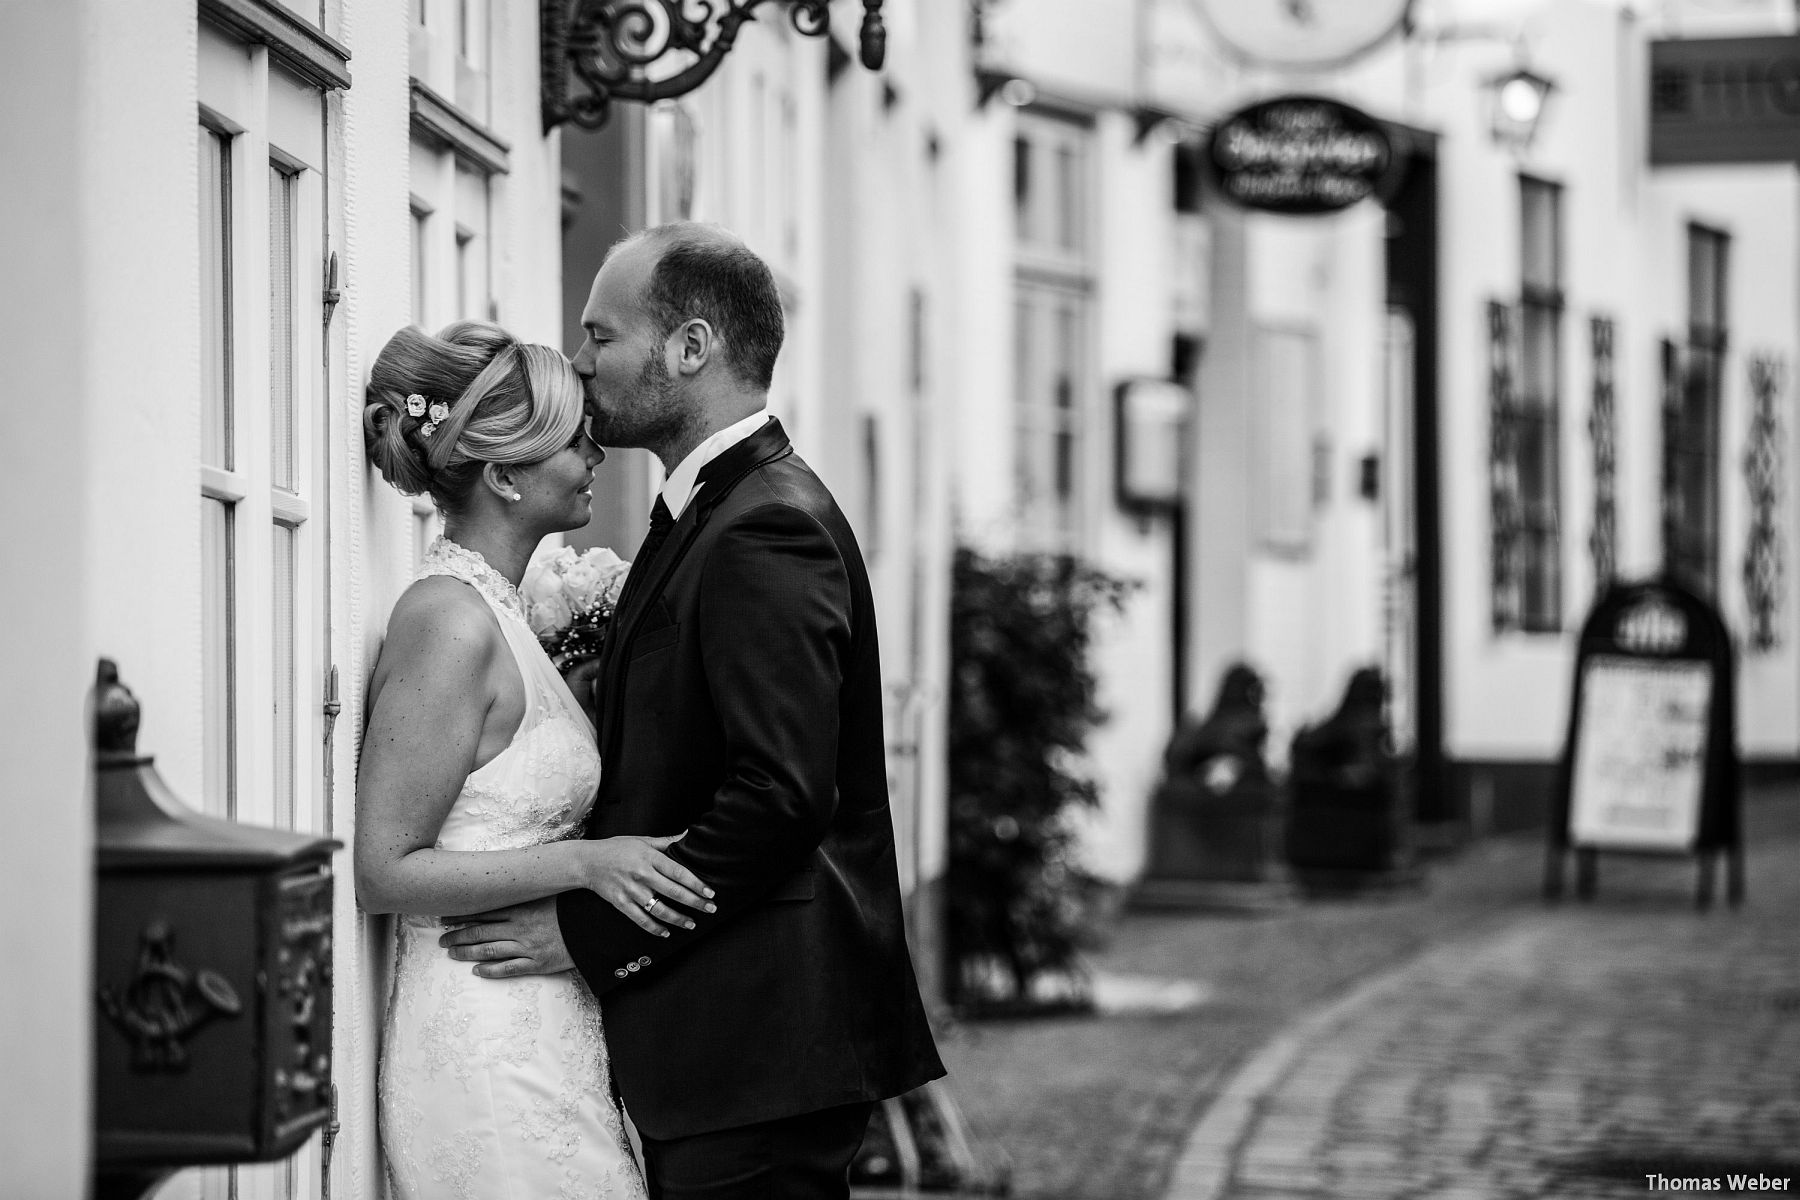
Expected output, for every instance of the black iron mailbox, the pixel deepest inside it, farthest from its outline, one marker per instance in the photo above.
(212, 973)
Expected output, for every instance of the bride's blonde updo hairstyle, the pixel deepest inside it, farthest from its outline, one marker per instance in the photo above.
(509, 402)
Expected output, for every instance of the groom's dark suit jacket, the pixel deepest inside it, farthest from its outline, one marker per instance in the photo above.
(740, 700)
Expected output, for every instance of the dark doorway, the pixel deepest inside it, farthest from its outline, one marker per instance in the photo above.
(1415, 582)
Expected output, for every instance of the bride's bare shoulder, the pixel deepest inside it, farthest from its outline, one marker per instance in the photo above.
(444, 615)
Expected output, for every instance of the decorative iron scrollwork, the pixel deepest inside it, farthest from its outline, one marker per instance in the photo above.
(1763, 566)
(1506, 504)
(165, 1004)
(611, 48)
(1604, 538)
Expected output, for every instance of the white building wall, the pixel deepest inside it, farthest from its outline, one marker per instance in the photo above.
(1625, 257)
(99, 333)
(372, 542)
(1134, 289)
(1759, 207)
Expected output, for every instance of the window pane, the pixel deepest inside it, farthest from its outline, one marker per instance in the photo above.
(1024, 475)
(281, 328)
(1064, 416)
(1068, 198)
(464, 296)
(1543, 581)
(215, 299)
(1542, 357)
(472, 245)
(217, 656)
(1706, 270)
(1539, 207)
(418, 267)
(284, 681)
(1692, 453)
(1022, 187)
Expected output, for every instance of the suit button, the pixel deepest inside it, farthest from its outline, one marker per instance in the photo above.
(632, 967)
(644, 961)
(621, 973)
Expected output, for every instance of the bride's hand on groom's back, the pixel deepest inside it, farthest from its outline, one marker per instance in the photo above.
(635, 876)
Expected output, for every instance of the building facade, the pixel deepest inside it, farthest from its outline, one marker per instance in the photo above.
(1424, 429)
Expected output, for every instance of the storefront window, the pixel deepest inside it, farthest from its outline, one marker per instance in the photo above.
(1535, 440)
(1052, 328)
(1691, 420)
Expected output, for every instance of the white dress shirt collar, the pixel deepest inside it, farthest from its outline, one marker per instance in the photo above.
(678, 490)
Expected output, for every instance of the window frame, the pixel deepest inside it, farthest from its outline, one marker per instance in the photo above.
(266, 581)
(1693, 422)
(1053, 469)
(1539, 410)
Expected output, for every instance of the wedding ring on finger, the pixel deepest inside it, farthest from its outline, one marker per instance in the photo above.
(650, 904)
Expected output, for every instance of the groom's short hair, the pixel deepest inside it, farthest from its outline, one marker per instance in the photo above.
(705, 271)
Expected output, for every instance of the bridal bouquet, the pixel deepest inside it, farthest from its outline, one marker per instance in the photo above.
(569, 599)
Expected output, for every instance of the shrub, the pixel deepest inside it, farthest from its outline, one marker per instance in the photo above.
(1022, 703)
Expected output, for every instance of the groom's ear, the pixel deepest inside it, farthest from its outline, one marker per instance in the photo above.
(695, 345)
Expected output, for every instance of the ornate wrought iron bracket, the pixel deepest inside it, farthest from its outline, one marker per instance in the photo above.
(595, 51)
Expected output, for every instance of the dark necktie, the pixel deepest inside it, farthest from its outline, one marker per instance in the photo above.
(661, 521)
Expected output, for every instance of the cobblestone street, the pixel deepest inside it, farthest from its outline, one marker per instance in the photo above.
(1464, 1042)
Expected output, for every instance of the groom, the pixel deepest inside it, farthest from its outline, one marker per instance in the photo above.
(740, 701)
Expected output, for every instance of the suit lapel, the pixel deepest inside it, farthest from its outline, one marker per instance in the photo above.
(720, 476)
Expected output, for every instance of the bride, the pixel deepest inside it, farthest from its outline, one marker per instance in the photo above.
(477, 771)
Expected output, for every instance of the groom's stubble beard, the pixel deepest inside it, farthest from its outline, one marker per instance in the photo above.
(652, 416)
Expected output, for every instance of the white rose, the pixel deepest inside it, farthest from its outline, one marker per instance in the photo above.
(541, 582)
(549, 614)
(615, 582)
(592, 578)
(602, 556)
(581, 582)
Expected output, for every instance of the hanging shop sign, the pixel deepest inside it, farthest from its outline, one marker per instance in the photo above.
(1303, 33)
(1299, 155)
(1725, 100)
(1650, 764)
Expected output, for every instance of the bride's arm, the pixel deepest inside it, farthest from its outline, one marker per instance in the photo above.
(423, 734)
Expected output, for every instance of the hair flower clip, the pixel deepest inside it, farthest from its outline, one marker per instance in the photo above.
(415, 405)
(439, 411)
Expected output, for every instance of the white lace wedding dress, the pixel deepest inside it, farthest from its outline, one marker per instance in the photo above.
(501, 1089)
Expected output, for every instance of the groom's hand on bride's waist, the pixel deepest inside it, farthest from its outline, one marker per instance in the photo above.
(523, 939)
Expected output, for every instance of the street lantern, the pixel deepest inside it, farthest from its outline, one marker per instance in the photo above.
(1516, 101)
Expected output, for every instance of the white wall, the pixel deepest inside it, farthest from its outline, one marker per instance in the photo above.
(1134, 288)
(372, 544)
(1624, 257)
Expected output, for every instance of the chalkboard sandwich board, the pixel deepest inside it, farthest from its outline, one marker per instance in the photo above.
(1650, 764)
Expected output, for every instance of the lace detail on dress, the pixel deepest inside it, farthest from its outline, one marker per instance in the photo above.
(445, 557)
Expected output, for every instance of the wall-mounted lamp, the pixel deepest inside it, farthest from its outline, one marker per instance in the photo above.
(1517, 100)
(1010, 88)
(1150, 420)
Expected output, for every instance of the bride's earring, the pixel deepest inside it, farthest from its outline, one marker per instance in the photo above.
(516, 496)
